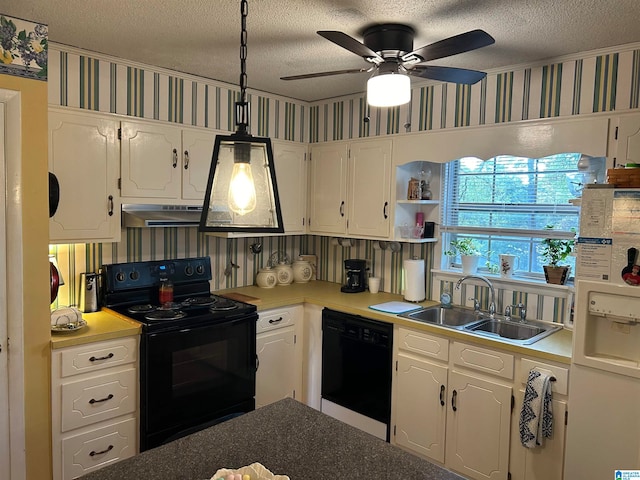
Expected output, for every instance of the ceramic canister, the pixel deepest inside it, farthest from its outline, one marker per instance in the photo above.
(301, 271)
(266, 278)
(284, 274)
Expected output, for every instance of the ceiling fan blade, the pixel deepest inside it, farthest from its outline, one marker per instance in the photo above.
(325, 74)
(448, 74)
(464, 42)
(349, 43)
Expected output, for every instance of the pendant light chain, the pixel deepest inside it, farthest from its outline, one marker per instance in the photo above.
(244, 8)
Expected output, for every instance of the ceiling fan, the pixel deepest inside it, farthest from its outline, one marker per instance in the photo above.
(389, 50)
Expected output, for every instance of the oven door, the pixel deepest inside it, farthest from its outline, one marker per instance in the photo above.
(193, 377)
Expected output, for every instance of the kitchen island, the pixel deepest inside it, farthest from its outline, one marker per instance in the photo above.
(286, 437)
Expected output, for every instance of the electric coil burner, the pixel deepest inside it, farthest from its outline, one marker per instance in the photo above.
(197, 353)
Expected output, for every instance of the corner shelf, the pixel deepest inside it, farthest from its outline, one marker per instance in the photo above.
(418, 202)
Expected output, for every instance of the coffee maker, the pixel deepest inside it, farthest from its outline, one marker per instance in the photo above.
(356, 276)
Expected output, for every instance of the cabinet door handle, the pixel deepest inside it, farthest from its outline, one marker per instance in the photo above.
(186, 159)
(97, 359)
(342, 209)
(110, 205)
(442, 395)
(454, 400)
(108, 397)
(175, 158)
(257, 362)
(384, 210)
(277, 320)
(93, 453)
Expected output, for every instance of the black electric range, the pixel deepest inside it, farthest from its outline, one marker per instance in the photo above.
(197, 352)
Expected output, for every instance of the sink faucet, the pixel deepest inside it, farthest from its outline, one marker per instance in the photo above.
(523, 311)
(492, 300)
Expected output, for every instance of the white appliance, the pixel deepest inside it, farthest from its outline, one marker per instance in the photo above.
(603, 432)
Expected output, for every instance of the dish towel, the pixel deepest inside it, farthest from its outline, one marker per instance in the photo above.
(536, 417)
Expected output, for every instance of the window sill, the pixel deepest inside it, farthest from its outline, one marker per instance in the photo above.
(497, 280)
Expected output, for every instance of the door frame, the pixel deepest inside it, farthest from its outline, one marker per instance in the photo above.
(12, 360)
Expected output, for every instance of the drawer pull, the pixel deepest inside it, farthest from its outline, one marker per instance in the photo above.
(277, 320)
(97, 359)
(93, 453)
(454, 401)
(442, 395)
(108, 397)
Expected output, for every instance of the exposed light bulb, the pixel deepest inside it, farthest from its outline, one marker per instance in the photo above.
(242, 190)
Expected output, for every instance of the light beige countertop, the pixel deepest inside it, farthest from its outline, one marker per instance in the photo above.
(106, 324)
(100, 326)
(555, 347)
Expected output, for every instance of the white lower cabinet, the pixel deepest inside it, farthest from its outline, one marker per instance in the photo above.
(547, 461)
(279, 353)
(478, 427)
(420, 407)
(456, 417)
(94, 405)
(459, 404)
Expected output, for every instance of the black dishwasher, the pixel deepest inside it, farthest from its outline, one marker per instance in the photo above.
(356, 364)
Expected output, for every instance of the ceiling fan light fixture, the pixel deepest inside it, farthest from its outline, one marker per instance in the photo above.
(388, 89)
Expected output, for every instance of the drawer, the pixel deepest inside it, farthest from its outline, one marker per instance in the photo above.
(423, 344)
(496, 363)
(560, 386)
(273, 319)
(98, 448)
(96, 356)
(98, 398)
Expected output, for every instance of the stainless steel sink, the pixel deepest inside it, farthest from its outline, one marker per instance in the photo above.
(454, 317)
(513, 332)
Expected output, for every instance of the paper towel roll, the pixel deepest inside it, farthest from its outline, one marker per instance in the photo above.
(414, 286)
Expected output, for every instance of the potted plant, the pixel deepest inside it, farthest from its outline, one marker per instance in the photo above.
(469, 254)
(554, 251)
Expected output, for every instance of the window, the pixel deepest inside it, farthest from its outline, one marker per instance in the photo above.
(506, 202)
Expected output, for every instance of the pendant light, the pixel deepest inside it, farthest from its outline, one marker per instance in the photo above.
(242, 194)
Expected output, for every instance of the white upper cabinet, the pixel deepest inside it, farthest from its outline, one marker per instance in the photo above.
(628, 141)
(350, 188)
(327, 210)
(291, 177)
(197, 151)
(164, 163)
(369, 188)
(84, 156)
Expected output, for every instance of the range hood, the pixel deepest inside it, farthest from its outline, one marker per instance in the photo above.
(160, 215)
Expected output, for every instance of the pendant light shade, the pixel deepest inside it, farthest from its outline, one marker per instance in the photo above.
(242, 194)
(388, 89)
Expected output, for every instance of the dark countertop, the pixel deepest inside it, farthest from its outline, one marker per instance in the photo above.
(286, 437)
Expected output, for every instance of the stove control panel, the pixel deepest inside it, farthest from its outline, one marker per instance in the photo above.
(133, 275)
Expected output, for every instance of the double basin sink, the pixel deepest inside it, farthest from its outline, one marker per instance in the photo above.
(467, 320)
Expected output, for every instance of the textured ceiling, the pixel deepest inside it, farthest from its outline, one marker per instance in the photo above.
(202, 37)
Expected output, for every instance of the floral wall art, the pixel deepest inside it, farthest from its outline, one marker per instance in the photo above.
(23, 48)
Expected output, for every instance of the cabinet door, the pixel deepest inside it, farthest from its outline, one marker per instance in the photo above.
(546, 462)
(197, 151)
(150, 161)
(291, 176)
(328, 189)
(370, 188)
(628, 150)
(83, 154)
(276, 377)
(478, 427)
(420, 407)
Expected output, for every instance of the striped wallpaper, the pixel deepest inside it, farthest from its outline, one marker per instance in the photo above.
(591, 82)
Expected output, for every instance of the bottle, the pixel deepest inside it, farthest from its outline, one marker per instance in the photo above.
(165, 292)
